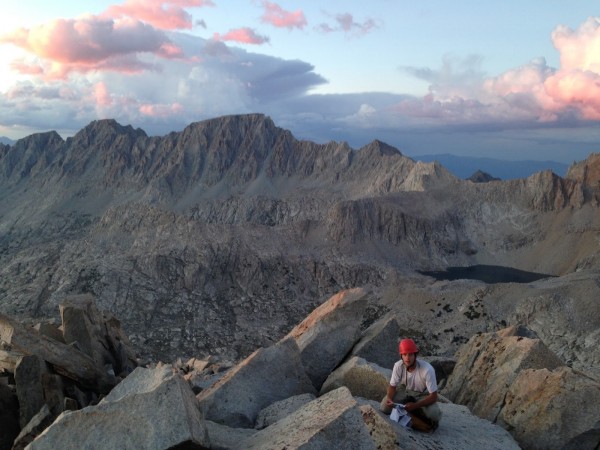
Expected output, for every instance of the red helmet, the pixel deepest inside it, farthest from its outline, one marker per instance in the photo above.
(408, 346)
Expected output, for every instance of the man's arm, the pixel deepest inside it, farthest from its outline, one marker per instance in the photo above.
(425, 401)
(391, 392)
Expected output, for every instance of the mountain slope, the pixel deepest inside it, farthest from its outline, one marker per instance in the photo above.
(222, 236)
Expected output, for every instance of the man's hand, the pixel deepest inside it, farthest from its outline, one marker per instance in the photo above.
(410, 406)
(389, 401)
(429, 400)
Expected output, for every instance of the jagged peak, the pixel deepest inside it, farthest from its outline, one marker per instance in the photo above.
(426, 175)
(380, 148)
(45, 138)
(587, 171)
(104, 128)
(544, 177)
(237, 120)
(6, 140)
(479, 176)
(432, 168)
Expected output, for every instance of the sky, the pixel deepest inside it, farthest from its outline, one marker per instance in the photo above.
(509, 80)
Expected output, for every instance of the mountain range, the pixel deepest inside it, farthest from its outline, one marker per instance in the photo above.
(219, 238)
(234, 241)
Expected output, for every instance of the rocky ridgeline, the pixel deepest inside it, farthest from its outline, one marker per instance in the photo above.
(220, 238)
(319, 387)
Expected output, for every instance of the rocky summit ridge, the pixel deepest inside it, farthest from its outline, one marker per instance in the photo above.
(219, 239)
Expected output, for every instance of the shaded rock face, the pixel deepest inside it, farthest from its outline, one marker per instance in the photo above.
(153, 411)
(363, 379)
(279, 410)
(379, 343)
(41, 376)
(97, 334)
(9, 417)
(30, 390)
(223, 236)
(236, 399)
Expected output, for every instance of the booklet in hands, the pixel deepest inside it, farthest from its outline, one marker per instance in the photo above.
(400, 415)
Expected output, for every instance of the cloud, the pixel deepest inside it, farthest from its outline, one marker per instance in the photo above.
(534, 93)
(161, 110)
(113, 40)
(345, 22)
(213, 80)
(162, 14)
(89, 44)
(575, 90)
(576, 85)
(280, 18)
(274, 80)
(101, 94)
(456, 76)
(242, 35)
(26, 68)
(579, 49)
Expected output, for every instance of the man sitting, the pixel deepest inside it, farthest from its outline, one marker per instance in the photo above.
(413, 384)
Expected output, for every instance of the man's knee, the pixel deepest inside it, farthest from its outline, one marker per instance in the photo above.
(383, 407)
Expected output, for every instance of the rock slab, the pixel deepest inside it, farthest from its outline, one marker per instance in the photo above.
(331, 421)
(328, 333)
(266, 376)
(553, 409)
(487, 365)
(361, 377)
(151, 409)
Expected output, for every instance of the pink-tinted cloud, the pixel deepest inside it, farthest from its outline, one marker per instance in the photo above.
(573, 88)
(576, 85)
(579, 49)
(242, 35)
(101, 94)
(92, 43)
(576, 90)
(280, 18)
(527, 78)
(162, 14)
(26, 68)
(532, 92)
(345, 23)
(160, 110)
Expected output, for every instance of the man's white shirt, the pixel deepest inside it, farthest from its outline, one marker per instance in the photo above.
(420, 379)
